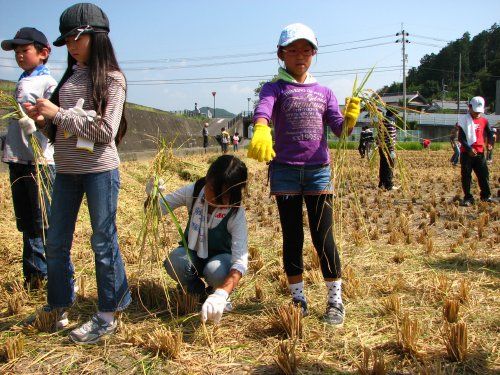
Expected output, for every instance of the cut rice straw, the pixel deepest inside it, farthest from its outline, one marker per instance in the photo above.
(163, 163)
(42, 176)
(341, 174)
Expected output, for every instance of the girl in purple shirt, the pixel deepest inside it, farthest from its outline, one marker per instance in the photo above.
(300, 108)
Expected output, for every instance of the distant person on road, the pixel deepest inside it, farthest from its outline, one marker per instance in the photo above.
(236, 141)
(365, 142)
(205, 136)
(225, 139)
(386, 139)
(489, 157)
(250, 131)
(455, 145)
(475, 136)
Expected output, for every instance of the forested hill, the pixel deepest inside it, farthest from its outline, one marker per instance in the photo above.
(480, 69)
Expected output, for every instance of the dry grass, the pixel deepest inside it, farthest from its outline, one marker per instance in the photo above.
(244, 342)
(378, 366)
(407, 333)
(286, 357)
(286, 320)
(12, 348)
(455, 340)
(164, 342)
(450, 310)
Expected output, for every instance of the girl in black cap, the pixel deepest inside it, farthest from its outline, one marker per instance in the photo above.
(85, 120)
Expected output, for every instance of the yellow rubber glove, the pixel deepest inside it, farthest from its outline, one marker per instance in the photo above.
(351, 112)
(261, 145)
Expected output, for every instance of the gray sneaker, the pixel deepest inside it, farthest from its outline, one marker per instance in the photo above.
(334, 314)
(92, 331)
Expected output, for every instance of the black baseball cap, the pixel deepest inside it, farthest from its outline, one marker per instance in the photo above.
(81, 18)
(26, 35)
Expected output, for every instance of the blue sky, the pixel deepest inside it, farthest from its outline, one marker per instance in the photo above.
(179, 40)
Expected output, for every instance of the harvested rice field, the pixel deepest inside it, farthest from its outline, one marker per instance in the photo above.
(421, 285)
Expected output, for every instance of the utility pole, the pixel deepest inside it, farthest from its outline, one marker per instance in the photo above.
(403, 40)
(443, 91)
(459, 77)
(213, 93)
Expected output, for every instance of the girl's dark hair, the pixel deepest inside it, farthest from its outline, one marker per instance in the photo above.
(102, 60)
(228, 175)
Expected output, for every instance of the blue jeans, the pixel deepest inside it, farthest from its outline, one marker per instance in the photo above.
(101, 190)
(29, 217)
(300, 179)
(188, 269)
(456, 155)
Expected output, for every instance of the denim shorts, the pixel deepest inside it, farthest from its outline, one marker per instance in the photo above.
(289, 179)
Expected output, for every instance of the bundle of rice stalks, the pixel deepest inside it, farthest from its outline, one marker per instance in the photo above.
(12, 109)
(464, 291)
(391, 305)
(16, 298)
(286, 357)
(150, 294)
(12, 349)
(455, 339)
(378, 367)
(185, 303)
(286, 319)
(259, 293)
(352, 285)
(450, 310)
(45, 321)
(164, 342)
(407, 334)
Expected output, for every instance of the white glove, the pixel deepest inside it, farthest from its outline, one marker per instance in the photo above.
(151, 183)
(392, 155)
(82, 143)
(79, 111)
(27, 125)
(214, 306)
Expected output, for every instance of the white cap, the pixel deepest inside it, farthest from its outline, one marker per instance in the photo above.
(477, 104)
(297, 31)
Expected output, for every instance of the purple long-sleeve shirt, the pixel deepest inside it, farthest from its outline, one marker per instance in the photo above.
(299, 113)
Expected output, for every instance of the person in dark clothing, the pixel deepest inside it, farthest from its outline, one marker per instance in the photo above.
(475, 137)
(386, 139)
(365, 142)
(455, 145)
(205, 136)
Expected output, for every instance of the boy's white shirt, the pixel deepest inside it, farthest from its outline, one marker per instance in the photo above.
(201, 222)
(466, 122)
(41, 86)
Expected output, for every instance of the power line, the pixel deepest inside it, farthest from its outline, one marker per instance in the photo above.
(256, 78)
(428, 44)
(216, 57)
(146, 68)
(430, 38)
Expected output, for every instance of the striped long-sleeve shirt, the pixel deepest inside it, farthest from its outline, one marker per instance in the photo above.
(101, 131)
(387, 133)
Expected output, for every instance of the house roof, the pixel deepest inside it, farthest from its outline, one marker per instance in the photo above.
(413, 98)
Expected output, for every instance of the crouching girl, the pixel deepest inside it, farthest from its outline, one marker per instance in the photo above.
(216, 235)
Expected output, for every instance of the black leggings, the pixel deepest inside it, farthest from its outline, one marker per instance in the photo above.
(320, 213)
